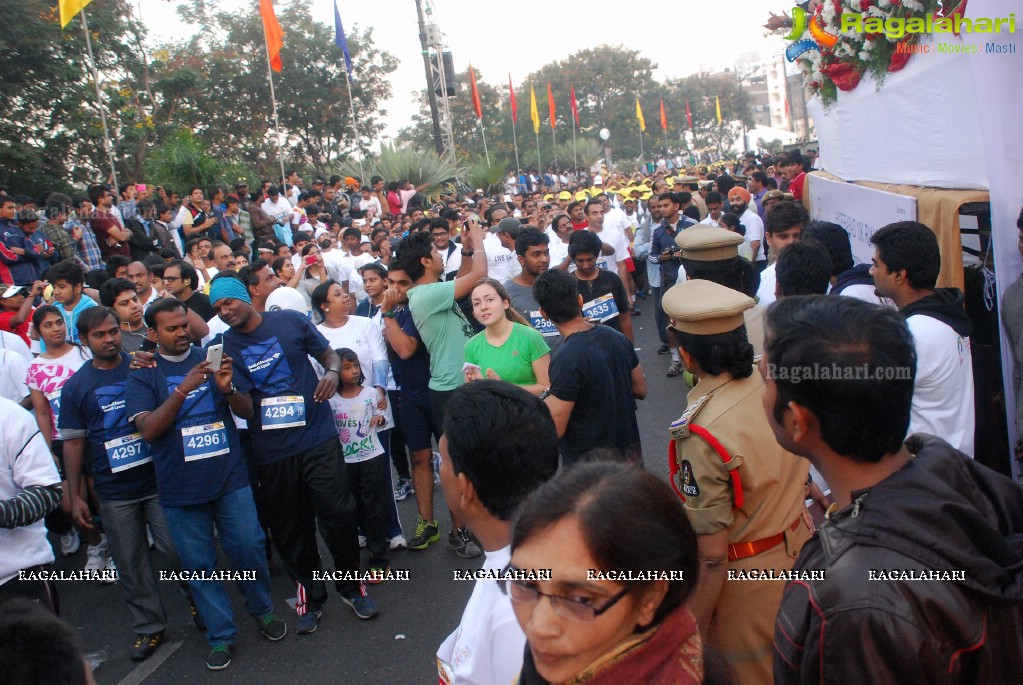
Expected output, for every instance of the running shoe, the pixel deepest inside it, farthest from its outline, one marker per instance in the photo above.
(145, 645)
(464, 543)
(403, 490)
(308, 621)
(219, 658)
(109, 576)
(363, 605)
(675, 368)
(426, 533)
(398, 542)
(272, 626)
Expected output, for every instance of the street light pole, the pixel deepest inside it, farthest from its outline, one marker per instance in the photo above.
(438, 142)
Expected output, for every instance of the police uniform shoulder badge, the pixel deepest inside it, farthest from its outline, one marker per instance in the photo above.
(680, 426)
(689, 486)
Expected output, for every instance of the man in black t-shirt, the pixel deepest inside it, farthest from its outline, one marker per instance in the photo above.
(595, 378)
(604, 298)
(182, 280)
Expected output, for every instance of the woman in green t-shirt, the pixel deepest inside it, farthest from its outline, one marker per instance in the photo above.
(508, 348)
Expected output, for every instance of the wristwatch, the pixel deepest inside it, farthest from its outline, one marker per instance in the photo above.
(232, 392)
(468, 253)
(389, 314)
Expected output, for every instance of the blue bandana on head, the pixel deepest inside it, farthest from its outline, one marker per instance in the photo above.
(229, 288)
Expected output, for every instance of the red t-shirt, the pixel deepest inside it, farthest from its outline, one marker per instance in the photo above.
(796, 186)
(21, 330)
(101, 224)
(581, 226)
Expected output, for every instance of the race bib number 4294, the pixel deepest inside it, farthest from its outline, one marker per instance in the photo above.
(286, 411)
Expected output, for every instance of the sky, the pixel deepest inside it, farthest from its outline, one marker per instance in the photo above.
(682, 38)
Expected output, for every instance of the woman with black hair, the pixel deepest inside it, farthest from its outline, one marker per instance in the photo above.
(743, 493)
(595, 625)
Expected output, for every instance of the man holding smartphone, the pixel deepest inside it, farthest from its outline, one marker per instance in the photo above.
(665, 253)
(182, 408)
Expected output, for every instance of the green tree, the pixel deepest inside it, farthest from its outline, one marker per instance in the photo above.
(700, 91)
(51, 135)
(225, 95)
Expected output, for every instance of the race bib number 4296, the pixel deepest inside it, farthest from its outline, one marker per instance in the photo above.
(203, 442)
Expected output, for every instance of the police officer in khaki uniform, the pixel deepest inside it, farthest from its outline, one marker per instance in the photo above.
(712, 253)
(743, 493)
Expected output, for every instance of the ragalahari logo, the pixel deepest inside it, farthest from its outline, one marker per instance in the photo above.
(822, 38)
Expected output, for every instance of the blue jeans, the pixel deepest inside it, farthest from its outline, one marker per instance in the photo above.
(241, 539)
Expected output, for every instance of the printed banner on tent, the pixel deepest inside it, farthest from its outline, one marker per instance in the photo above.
(859, 210)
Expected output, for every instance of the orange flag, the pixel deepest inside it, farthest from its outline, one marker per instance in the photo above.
(273, 34)
(550, 103)
(476, 105)
(664, 117)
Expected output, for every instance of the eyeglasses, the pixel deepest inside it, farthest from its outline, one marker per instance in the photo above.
(582, 610)
(172, 278)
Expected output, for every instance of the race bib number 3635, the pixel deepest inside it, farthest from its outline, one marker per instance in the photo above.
(601, 308)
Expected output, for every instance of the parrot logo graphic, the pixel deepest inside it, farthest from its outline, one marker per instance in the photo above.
(822, 38)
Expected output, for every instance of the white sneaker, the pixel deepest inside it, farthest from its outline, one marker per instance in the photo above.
(97, 556)
(70, 542)
(362, 541)
(399, 542)
(111, 572)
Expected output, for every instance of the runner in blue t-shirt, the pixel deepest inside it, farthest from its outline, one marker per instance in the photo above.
(201, 476)
(302, 474)
(97, 435)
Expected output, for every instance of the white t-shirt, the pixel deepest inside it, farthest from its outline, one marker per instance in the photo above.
(499, 259)
(487, 646)
(279, 211)
(362, 336)
(360, 441)
(335, 258)
(768, 280)
(48, 376)
(24, 461)
(754, 231)
(14, 343)
(943, 390)
(452, 261)
(619, 242)
(616, 220)
(13, 372)
(372, 205)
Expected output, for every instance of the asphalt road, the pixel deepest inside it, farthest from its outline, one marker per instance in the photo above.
(396, 647)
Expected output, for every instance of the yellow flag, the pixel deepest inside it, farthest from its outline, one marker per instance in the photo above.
(717, 103)
(69, 8)
(639, 115)
(533, 113)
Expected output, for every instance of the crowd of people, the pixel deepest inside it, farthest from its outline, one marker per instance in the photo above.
(257, 362)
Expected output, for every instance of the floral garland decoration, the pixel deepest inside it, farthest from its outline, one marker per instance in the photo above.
(842, 65)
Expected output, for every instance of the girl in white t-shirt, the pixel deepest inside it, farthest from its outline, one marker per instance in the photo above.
(369, 470)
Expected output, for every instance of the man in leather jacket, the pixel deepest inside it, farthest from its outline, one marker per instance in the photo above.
(917, 574)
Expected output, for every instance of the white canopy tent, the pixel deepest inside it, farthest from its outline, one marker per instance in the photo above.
(944, 121)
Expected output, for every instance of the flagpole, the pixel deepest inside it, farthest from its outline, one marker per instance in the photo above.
(666, 151)
(273, 102)
(539, 159)
(355, 129)
(642, 154)
(99, 99)
(554, 141)
(484, 132)
(575, 155)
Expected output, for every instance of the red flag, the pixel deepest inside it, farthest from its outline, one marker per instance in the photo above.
(787, 107)
(664, 117)
(689, 116)
(476, 105)
(511, 95)
(550, 103)
(273, 33)
(575, 107)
